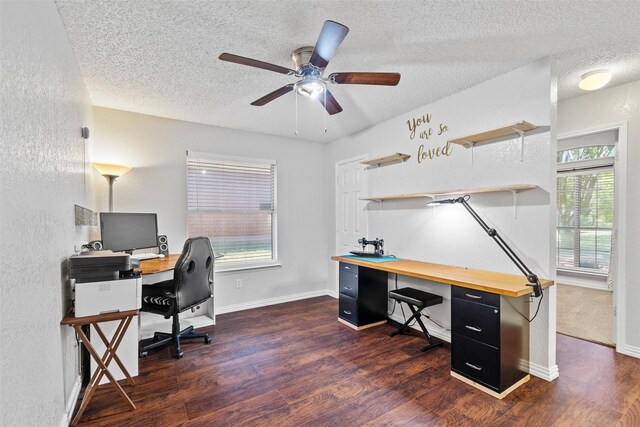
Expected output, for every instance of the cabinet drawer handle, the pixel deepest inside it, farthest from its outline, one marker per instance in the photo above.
(347, 312)
(346, 288)
(347, 268)
(473, 296)
(473, 328)
(476, 367)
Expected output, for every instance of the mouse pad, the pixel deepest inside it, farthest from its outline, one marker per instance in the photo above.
(382, 259)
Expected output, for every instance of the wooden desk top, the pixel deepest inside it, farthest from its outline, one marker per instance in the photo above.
(497, 283)
(158, 265)
(71, 319)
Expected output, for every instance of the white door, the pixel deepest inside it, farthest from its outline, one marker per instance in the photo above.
(351, 213)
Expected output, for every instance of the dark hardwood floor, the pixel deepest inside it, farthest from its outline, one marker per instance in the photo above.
(294, 364)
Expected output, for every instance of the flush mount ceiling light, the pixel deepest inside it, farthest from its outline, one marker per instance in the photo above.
(594, 80)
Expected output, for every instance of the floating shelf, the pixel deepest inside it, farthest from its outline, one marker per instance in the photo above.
(398, 197)
(433, 194)
(386, 159)
(514, 129)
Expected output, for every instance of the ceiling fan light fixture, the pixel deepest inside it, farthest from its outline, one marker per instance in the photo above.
(594, 80)
(310, 88)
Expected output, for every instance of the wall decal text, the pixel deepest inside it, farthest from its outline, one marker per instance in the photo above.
(431, 153)
(422, 127)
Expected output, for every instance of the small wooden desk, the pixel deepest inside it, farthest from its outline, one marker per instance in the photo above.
(103, 362)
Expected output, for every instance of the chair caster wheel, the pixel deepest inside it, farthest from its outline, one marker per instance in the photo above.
(207, 339)
(178, 355)
(143, 354)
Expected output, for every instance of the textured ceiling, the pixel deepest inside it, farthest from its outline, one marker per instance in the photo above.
(160, 57)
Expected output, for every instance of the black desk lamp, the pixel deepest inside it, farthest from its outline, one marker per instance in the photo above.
(531, 277)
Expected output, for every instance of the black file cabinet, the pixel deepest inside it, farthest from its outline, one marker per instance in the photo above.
(362, 296)
(490, 338)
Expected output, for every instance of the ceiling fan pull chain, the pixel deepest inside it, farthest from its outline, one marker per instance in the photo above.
(325, 110)
(296, 95)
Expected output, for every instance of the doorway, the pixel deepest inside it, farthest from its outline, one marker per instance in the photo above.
(351, 213)
(590, 232)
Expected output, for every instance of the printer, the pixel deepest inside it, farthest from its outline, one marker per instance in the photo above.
(95, 266)
(104, 282)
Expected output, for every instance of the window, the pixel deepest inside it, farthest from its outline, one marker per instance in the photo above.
(232, 201)
(585, 205)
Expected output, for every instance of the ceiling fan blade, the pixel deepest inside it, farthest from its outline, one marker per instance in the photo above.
(273, 95)
(229, 57)
(329, 39)
(332, 105)
(382, 79)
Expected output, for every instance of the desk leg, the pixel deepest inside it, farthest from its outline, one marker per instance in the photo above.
(102, 366)
(107, 356)
(112, 351)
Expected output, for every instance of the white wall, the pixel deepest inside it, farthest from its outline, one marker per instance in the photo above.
(156, 149)
(44, 105)
(448, 234)
(617, 104)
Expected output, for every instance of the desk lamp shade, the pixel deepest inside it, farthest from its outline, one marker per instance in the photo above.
(441, 202)
(111, 172)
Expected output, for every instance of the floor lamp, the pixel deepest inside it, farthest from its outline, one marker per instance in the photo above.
(111, 172)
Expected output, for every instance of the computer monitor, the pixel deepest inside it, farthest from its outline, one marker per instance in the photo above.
(128, 231)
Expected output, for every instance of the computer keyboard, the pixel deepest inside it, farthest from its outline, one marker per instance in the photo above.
(143, 256)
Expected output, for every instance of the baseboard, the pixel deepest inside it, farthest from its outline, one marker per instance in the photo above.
(547, 374)
(632, 351)
(71, 403)
(592, 281)
(433, 329)
(269, 301)
(332, 293)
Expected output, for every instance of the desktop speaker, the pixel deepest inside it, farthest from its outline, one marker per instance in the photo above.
(95, 245)
(163, 245)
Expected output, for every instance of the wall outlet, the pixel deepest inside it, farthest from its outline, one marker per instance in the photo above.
(238, 283)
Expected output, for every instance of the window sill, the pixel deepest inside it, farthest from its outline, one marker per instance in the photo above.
(233, 268)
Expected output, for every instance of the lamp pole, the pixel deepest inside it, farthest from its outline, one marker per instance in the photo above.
(531, 277)
(110, 179)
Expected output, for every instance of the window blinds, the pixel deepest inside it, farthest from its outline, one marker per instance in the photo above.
(585, 219)
(585, 201)
(232, 201)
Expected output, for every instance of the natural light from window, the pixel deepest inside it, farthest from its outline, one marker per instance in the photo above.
(232, 201)
(585, 208)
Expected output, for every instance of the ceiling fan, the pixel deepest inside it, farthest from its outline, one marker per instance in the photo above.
(310, 63)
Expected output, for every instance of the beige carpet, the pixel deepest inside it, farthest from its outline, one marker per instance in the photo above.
(585, 313)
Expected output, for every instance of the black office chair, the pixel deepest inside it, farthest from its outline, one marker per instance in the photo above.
(192, 284)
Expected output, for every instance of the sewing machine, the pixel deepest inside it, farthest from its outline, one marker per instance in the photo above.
(378, 248)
